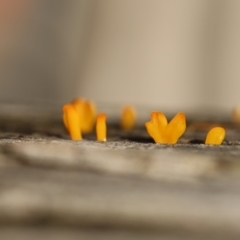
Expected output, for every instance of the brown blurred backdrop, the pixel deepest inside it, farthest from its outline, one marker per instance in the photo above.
(180, 54)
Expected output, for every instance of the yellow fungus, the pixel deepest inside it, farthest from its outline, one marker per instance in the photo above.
(165, 133)
(101, 128)
(128, 118)
(215, 136)
(71, 122)
(87, 114)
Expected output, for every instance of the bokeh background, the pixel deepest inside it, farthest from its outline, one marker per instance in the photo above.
(179, 54)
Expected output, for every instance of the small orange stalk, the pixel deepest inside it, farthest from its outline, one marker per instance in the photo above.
(128, 118)
(101, 128)
(215, 136)
(165, 133)
(71, 122)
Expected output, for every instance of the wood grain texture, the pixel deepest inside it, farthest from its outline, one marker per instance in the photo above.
(55, 188)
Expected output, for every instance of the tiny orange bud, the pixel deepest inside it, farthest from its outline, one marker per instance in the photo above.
(128, 118)
(215, 136)
(101, 128)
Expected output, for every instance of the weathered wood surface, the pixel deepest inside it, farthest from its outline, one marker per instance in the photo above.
(53, 188)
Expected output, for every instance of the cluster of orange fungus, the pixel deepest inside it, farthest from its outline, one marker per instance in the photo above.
(162, 131)
(215, 136)
(72, 122)
(101, 127)
(87, 114)
(128, 118)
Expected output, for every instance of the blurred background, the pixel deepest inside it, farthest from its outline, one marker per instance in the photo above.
(182, 55)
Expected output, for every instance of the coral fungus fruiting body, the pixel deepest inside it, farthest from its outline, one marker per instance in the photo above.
(87, 114)
(79, 117)
(215, 136)
(163, 132)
